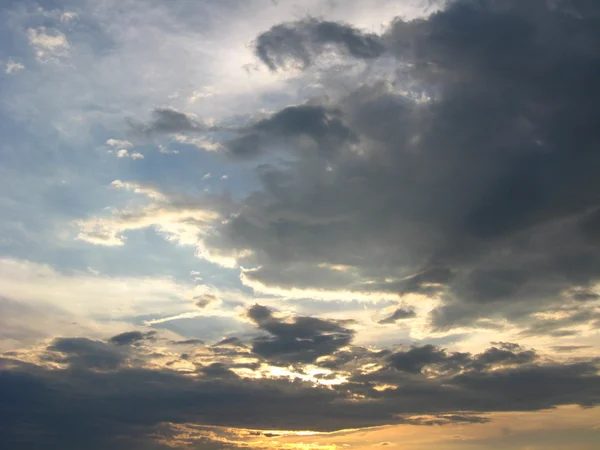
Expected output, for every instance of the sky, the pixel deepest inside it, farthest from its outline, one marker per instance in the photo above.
(299, 224)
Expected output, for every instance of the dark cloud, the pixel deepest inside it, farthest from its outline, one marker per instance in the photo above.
(231, 341)
(495, 356)
(320, 126)
(584, 295)
(299, 43)
(470, 174)
(301, 340)
(399, 314)
(217, 370)
(83, 407)
(202, 301)
(189, 342)
(87, 353)
(432, 359)
(168, 121)
(131, 337)
(565, 322)
(415, 359)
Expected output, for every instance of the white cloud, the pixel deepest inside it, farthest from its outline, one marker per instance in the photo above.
(91, 295)
(181, 220)
(139, 188)
(166, 150)
(206, 93)
(13, 67)
(48, 44)
(124, 153)
(120, 148)
(202, 143)
(67, 16)
(117, 143)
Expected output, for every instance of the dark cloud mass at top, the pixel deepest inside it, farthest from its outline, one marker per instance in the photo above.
(487, 181)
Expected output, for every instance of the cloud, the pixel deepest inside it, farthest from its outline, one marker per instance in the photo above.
(202, 301)
(415, 359)
(452, 162)
(180, 218)
(232, 341)
(13, 67)
(131, 337)
(563, 322)
(126, 400)
(399, 314)
(117, 143)
(449, 170)
(49, 44)
(68, 16)
(123, 153)
(445, 419)
(323, 129)
(85, 353)
(400, 367)
(169, 121)
(299, 43)
(569, 348)
(55, 298)
(302, 340)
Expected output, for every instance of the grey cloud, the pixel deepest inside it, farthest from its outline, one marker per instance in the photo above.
(511, 346)
(259, 313)
(131, 337)
(418, 358)
(94, 409)
(231, 341)
(299, 43)
(576, 317)
(320, 125)
(352, 358)
(217, 370)
(301, 340)
(203, 301)
(494, 356)
(87, 353)
(583, 296)
(487, 186)
(189, 342)
(399, 314)
(169, 121)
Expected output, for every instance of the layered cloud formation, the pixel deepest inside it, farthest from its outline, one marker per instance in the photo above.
(112, 393)
(360, 224)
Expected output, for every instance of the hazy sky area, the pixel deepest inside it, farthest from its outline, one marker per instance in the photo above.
(299, 224)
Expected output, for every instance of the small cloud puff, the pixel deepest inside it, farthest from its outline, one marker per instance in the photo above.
(123, 153)
(120, 148)
(13, 67)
